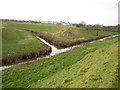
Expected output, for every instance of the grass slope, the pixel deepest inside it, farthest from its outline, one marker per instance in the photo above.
(95, 70)
(92, 66)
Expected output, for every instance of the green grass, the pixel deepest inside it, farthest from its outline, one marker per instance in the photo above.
(73, 33)
(89, 72)
(38, 27)
(16, 40)
(91, 66)
(62, 32)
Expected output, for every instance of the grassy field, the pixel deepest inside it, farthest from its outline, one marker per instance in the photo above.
(61, 36)
(62, 32)
(15, 40)
(74, 33)
(92, 66)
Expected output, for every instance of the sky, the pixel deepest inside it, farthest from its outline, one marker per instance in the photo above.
(104, 12)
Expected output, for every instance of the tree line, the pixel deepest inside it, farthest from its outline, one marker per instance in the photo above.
(81, 24)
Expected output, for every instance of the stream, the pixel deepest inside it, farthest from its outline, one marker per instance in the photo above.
(55, 51)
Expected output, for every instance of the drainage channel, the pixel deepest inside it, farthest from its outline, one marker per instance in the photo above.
(56, 51)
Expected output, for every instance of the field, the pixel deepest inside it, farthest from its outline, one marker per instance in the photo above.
(17, 41)
(19, 45)
(62, 32)
(92, 66)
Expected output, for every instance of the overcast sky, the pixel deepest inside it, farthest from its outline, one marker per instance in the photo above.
(104, 12)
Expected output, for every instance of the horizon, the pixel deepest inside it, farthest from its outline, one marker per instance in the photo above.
(56, 21)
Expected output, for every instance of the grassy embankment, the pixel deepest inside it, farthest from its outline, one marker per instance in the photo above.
(92, 66)
(18, 43)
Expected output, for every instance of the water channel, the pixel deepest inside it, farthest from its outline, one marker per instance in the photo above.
(55, 50)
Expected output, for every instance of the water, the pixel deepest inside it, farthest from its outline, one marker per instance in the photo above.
(55, 51)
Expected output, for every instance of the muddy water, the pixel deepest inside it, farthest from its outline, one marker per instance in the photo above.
(55, 51)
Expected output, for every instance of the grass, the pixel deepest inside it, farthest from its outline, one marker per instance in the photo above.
(16, 40)
(86, 73)
(62, 32)
(74, 33)
(92, 66)
(42, 27)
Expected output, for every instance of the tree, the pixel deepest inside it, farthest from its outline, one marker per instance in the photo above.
(81, 24)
